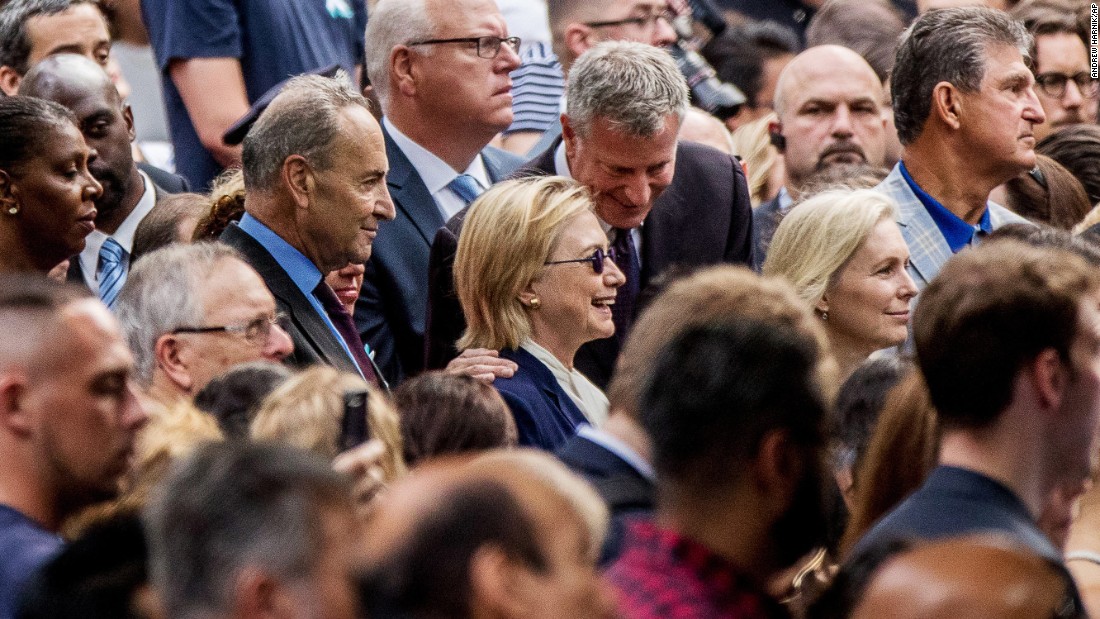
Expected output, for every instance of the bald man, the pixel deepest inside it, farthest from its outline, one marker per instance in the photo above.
(829, 104)
(129, 194)
(977, 577)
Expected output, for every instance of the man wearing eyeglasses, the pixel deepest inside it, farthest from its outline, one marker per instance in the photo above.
(191, 312)
(440, 70)
(1063, 81)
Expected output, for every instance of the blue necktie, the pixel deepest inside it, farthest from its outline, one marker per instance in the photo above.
(112, 271)
(465, 187)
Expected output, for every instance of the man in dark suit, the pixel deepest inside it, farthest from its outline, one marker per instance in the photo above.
(129, 193)
(315, 171)
(662, 203)
(443, 103)
(828, 100)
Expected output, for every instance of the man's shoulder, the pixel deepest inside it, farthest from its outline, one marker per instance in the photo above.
(165, 180)
(24, 547)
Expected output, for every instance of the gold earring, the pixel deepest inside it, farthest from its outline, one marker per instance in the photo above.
(534, 303)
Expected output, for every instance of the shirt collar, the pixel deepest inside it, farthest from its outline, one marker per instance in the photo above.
(955, 230)
(620, 449)
(124, 236)
(784, 200)
(435, 172)
(561, 164)
(301, 270)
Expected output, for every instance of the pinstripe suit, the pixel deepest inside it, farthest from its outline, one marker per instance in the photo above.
(928, 249)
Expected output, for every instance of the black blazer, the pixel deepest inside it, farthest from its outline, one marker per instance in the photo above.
(764, 222)
(393, 299)
(703, 218)
(627, 493)
(170, 183)
(313, 341)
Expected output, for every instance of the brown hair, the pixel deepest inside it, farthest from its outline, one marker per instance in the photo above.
(448, 414)
(1050, 194)
(226, 206)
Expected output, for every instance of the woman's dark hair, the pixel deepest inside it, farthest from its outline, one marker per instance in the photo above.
(1048, 194)
(234, 397)
(447, 414)
(23, 123)
(1076, 148)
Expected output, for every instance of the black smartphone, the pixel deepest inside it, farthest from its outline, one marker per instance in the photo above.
(353, 429)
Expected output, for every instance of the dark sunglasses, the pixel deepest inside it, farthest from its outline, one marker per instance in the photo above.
(596, 259)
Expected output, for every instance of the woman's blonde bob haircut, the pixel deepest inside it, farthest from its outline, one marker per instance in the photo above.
(508, 234)
(818, 237)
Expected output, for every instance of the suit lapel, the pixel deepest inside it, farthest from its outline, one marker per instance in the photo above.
(409, 193)
(282, 287)
(928, 250)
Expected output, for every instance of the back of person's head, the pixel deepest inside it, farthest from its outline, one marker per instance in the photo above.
(716, 391)
(1076, 148)
(1049, 194)
(172, 221)
(15, 41)
(634, 87)
(304, 119)
(431, 567)
(818, 236)
(231, 507)
(842, 176)
(451, 414)
(714, 295)
(740, 54)
(947, 45)
(858, 405)
(164, 291)
(751, 142)
(1042, 17)
(987, 314)
(30, 306)
(234, 397)
(24, 123)
(1041, 236)
(306, 411)
(97, 576)
(871, 29)
(902, 449)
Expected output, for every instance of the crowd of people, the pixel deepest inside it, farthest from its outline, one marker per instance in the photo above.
(566, 308)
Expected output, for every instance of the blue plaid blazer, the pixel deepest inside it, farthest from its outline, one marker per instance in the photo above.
(928, 249)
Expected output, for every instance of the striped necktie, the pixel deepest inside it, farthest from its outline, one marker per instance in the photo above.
(112, 271)
(466, 187)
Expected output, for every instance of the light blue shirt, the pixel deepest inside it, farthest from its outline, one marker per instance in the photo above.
(301, 270)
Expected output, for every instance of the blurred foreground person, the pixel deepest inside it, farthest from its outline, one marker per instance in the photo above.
(1008, 342)
(243, 530)
(734, 413)
(68, 418)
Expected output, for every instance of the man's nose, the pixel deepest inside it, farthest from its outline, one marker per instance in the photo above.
(279, 345)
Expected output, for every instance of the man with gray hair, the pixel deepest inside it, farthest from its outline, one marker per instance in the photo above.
(315, 172)
(662, 203)
(965, 109)
(190, 312)
(440, 69)
(250, 530)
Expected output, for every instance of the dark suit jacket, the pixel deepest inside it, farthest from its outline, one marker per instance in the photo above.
(704, 217)
(627, 493)
(170, 183)
(765, 219)
(394, 298)
(313, 341)
(545, 415)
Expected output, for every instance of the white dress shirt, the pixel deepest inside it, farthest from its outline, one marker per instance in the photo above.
(124, 236)
(436, 173)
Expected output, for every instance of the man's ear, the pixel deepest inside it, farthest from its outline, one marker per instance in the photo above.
(498, 585)
(173, 359)
(13, 414)
(578, 39)
(128, 116)
(7, 193)
(777, 470)
(402, 73)
(822, 305)
(1049, 375)
(298, 179)
(257, 594)
(569, 136)
(9, 81)
(947, 104)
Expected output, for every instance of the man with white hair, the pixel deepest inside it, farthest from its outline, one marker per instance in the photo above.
(440, 69)
(662, 202)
